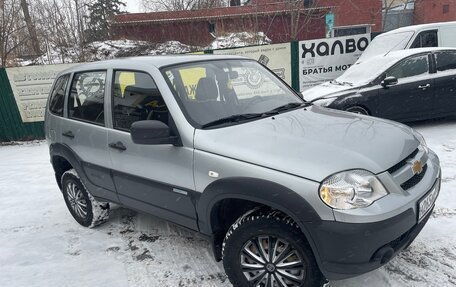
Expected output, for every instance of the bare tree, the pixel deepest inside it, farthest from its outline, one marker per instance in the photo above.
(10, 28)
(30, 27)
(179, 5)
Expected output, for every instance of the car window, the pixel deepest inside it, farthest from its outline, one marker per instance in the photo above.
(426, 39)
(445, 61)
(57, 99)
(86, 101)
(410, 67)
(212, 90)
(136, 98)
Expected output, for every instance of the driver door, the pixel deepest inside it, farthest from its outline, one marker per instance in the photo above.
(157, 179)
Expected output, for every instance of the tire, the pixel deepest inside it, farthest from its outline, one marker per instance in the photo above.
(84, 208)
(358, 110)
(273, 230)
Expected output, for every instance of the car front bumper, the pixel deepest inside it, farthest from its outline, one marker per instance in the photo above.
(350, 249)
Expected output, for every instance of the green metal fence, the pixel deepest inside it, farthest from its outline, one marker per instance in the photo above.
(11, 126)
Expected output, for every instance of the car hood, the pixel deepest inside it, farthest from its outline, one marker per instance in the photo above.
(327, 90)
(312, 143)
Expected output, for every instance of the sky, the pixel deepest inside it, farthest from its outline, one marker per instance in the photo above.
(133, 6)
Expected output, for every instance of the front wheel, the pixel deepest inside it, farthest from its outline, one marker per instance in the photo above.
(267, 249)
(84, 208)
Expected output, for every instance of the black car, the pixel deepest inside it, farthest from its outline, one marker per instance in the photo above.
(403, 85)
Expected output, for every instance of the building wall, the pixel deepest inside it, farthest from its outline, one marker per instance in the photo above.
(193, 26)
(427, 11)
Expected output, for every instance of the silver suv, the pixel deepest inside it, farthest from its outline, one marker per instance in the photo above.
(287, 192)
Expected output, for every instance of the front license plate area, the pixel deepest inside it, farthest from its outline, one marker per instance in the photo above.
(427, 202)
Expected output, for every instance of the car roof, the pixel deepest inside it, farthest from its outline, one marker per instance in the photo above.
(157, 61)
(414, 28)
(385, 61)
(410, 52)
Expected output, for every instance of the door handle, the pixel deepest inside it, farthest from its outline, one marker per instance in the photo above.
(118, 145)
(424, 87)
(68, 134)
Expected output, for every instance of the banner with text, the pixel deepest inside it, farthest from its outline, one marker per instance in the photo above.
(276, 57)
(31, 86)
(326, 59)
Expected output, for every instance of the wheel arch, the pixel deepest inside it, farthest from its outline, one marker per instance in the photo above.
(244, 193)
(62, 154)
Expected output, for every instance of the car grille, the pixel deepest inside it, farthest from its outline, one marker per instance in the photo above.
(414, 180)
(402, 163)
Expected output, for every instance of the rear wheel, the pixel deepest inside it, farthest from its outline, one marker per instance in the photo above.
(267, 249)
(84, 208)
(357, 110)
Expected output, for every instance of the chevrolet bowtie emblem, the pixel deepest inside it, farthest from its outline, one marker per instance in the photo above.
(417, 167)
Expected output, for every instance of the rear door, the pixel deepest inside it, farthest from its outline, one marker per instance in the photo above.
(413, 96)
(84, 131)
(445, 82)
(157, 179)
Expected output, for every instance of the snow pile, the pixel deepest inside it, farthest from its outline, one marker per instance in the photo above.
(242, 39)
(103, 50)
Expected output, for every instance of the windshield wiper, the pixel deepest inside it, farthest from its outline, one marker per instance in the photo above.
(288, 107)
(233, 119)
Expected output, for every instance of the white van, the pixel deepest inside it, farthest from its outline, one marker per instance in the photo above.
(417, 36)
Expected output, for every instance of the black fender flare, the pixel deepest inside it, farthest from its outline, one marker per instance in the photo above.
(64, 151)
(260, 191)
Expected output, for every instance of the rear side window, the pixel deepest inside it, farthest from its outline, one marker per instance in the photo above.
(410, 67)
(57, 99)
(426, 39)
(86, 101)
(445, 61)
(136, 98)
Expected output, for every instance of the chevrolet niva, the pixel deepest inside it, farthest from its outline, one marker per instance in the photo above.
(287, 192)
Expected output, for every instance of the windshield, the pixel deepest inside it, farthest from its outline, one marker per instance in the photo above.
(365, 72)
(386, 43)
(228, 91)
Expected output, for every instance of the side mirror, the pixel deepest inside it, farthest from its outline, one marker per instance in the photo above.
(151, 133)
(389, 81)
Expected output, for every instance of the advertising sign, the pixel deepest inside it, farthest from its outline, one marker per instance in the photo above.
(326, 59)
(31, 86)
(276, 57)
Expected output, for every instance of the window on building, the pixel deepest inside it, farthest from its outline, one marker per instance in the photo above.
(211, 27)
(56, 102)
(86, 101)
(136, 98)
(446, 9)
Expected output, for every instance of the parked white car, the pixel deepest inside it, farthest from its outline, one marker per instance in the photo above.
(417, 36)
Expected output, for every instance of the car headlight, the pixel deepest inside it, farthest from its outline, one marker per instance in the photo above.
(351, 189)
(324, 102)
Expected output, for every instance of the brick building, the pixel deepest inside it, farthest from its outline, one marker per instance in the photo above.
(427, 11)
(278, 19)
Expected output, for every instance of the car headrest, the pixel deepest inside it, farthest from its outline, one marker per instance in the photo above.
(206, 90)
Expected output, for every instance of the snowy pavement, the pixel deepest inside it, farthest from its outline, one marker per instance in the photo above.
(41, 245)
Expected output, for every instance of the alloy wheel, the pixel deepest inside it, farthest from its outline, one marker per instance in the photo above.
(77, 200)
(268, 261)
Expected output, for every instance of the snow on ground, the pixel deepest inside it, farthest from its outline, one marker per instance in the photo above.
(241, 39)
(41, 245)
